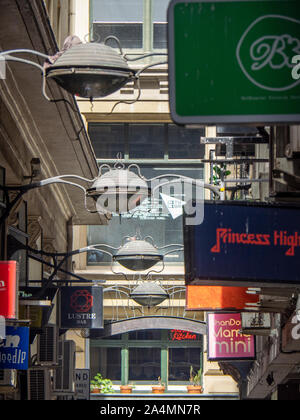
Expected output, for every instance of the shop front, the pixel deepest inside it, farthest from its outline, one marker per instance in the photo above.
(146, 357)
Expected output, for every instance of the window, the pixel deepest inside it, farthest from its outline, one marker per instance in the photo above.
(161, 142)
(180, 361)
(138, 356)
(144, 364)
(140, 26)
(158, 149)
(153, 220)
(107, 361)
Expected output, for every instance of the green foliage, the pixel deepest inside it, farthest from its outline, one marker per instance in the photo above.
(195, 378)
(220, 173)
(105, 385)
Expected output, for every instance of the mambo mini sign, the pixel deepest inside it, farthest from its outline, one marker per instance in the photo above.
(238, 243)
(225, 340)
(81, 307)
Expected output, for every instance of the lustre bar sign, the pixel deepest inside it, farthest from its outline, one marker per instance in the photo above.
(81, 307)
(243, 244)
(225, 340)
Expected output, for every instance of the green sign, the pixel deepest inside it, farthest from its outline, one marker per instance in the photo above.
(234, 61)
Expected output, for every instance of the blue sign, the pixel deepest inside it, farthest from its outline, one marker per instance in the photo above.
(14, 349)
(241, 243)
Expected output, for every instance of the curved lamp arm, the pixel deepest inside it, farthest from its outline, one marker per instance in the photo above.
(53, 180)
(182, 178)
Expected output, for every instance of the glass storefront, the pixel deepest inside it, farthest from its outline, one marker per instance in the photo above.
(143, 356)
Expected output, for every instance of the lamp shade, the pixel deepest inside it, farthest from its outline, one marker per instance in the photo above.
(149, 294)
(118, 191)
(137, 255)
(90, 70)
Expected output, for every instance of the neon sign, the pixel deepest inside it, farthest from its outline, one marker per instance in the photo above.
(181, 335)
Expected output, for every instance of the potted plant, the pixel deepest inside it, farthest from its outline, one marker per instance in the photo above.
(101, 385)
(126, 389)
(195, 380)
(160, 388)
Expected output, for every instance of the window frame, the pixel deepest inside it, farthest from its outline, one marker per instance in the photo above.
(165, 343)
(147, 30)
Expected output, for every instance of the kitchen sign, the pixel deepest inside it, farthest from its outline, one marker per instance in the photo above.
(225, 341)
(234, 61)
(243, 244)
(81, 307)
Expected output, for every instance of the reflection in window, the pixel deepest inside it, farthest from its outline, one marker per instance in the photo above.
(146, 141)
(144, 364)
(154, 219)
(130, 34)
(108, 139)
(123, 19)
(180, 361)
(145, 335)
(106, 361)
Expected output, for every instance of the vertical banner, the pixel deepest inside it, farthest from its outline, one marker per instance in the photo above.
(81, 307)
(225, 341)
(14, 349)
(8, 289)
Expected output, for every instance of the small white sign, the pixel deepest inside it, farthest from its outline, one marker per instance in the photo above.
(82, 384)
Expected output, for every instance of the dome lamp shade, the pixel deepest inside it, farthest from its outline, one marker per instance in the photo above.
(90, 70)
(149, 294)
(138, 255)
(118, 191)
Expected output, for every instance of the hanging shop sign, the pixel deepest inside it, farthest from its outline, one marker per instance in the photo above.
(9, 289)
(14, 349)
(81, 307)
(37, 308)
(242, 244)
(256, 323)
(234, 61)
(213, 298)
(225, 340)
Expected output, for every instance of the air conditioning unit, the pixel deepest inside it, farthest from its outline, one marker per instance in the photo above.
(8, 380)
(64, 374)
(47, 346)
(39, 384)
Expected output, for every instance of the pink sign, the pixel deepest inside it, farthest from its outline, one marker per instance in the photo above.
(225, 340)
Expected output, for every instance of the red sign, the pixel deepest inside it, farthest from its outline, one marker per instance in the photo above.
(225, 341)
(8, 289)
(180, 335)
(277, 238)
(214, 298)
